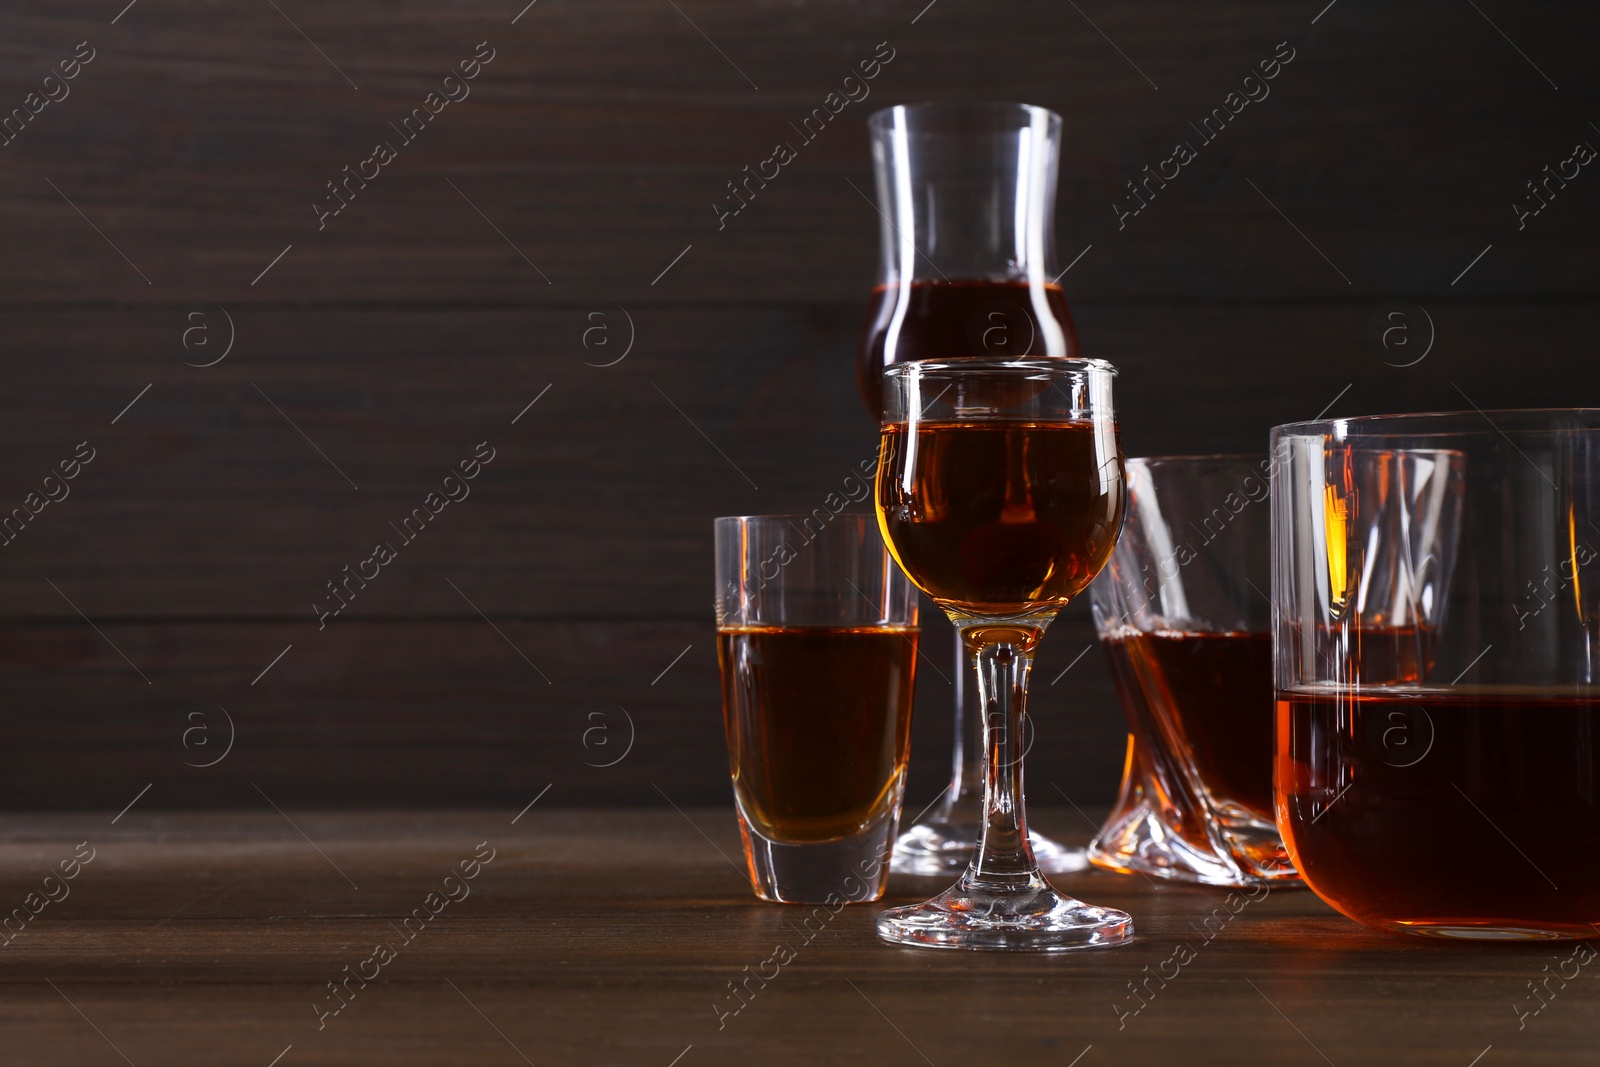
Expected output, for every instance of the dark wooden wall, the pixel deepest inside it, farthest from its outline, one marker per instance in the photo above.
(1256, 288)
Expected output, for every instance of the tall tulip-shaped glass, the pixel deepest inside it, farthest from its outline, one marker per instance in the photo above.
(1000, 494)
(966, 205)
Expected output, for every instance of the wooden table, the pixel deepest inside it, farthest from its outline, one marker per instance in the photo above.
(610, 937)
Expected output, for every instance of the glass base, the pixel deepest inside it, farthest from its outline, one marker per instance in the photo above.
(1033, 918)
(1469, 931)
(1257, 846)
(1138, 840)
(942, 848)
(850, 869)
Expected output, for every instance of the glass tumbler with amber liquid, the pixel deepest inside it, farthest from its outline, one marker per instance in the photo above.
(1185, 622)
(966, 200)
(1436, 595)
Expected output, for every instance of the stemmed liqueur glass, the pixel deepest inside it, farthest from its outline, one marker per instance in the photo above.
(1000, 494)
(966, 202)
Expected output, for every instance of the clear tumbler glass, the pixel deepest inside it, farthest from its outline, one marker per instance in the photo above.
(1185, 621)
(817, 639)
(1437, 647)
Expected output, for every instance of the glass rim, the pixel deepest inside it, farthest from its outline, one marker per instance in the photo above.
(1057, 366)
(884, 117)
(1203, 457)
(747, 519)
(1489, 419)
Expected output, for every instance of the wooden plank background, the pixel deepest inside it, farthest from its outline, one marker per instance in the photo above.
(166, 201)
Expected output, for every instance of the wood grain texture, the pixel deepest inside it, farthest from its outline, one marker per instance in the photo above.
(449, 714)
(600, 136)
(207, 527)
(206, 500)
(604, 938)
(172, 191)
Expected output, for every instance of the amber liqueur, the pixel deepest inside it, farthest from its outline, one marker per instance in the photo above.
(942, 319)
(1216, 691)
(1000, 517)
(819, 722)
(1467, 811)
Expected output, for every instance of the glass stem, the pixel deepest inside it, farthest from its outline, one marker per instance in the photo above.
(1004, 658)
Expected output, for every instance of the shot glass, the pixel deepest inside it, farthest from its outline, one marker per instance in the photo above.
(817, 640)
